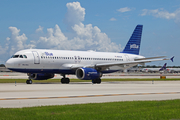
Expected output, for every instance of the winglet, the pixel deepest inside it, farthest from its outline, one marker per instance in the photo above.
(172, 59)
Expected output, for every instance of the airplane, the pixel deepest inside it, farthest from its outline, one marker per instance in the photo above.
(154, 70)
(43, 64)
(170, 70)
(173, 70)
(163, 67)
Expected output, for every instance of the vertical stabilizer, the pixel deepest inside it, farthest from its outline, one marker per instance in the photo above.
(163, 67)
(133, 45)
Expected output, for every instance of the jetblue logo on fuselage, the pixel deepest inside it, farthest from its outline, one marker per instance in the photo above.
(48, 54)
(134, 46)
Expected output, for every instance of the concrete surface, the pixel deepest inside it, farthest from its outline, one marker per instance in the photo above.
(24, 95)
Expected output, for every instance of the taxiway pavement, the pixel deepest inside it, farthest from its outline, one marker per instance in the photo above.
(41, 94)
(16, 75)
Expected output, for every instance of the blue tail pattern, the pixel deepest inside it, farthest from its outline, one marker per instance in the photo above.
(133, 45)
(163, 68)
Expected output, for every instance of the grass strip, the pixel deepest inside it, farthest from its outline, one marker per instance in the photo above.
(77, 80)
(130, 110)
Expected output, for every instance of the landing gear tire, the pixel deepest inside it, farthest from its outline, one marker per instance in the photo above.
(65, 80)
(96, 81)
(28, 81)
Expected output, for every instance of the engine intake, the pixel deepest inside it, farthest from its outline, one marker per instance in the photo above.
(87, 73)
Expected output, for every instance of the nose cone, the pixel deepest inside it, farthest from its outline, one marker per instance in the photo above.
(9, 63)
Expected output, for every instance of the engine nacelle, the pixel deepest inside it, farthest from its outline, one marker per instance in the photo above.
(88, 73)
(41, 76)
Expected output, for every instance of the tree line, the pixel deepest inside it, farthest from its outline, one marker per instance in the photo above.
(2, 65)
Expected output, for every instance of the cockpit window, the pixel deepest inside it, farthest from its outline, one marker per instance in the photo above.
(21, 56)
(15, 56)
(24, 56)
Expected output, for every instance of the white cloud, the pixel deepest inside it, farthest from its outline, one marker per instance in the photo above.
(75, 13)
(94, 39)
(53, 39)
(86, 37)
(125, 9)
(16, 41)
(161, 13)
(40, 29)
(13, 43)
(113, 19)
(8, 38)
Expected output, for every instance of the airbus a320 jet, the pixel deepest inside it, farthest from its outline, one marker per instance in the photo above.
(43, 64)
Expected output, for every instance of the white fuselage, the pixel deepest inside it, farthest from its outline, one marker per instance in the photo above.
(62, 61)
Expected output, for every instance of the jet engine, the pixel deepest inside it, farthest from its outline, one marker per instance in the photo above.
(40, 76)
(88, 74)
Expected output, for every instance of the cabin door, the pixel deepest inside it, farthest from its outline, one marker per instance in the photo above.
(36, 57)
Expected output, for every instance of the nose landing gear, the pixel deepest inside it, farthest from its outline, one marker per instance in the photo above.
(29, 81)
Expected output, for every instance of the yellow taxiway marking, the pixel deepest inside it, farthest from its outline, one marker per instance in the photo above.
(81, 96)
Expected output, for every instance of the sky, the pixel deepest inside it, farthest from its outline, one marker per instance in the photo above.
(99, 25)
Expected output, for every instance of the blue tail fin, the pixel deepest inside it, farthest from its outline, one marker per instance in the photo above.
(133, 45)
(163, 67)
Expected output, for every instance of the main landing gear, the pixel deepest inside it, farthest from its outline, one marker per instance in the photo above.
(98, 81)
(29, 81)
(65, 80)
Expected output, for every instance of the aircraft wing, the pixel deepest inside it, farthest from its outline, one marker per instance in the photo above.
(106, 65)
(127, 63)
